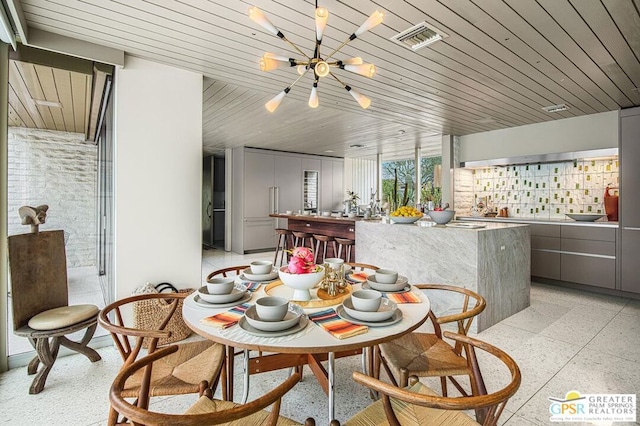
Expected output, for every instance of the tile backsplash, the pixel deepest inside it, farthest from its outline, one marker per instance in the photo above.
(547, 191)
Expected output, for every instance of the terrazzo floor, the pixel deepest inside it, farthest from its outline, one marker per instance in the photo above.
(566, 340)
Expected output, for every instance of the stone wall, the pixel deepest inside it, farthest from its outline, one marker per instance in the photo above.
(58, 169)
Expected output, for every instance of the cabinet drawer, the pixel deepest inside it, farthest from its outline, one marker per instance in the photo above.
(548, 243)
(603, 248)
(588, 233)
(545, 230)
(595, 271)
(545, 264)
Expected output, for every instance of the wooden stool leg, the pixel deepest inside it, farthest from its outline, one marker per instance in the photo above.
(317, 250)
(324, 251)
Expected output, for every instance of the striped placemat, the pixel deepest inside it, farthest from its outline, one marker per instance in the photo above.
(339, 328)
(228, 318)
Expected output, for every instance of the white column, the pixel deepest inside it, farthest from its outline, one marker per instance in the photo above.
(158, 176)
(447, 169)
(418, 177)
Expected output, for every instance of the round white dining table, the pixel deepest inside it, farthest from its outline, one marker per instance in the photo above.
(312, 340)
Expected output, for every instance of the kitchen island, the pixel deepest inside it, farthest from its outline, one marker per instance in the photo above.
(342, 227)
(492, 260)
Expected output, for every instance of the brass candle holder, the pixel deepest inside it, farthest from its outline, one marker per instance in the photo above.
(333, 282)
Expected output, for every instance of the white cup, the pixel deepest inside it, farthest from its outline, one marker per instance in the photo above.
(289, 211)
(366, 300)
(386, 276)
(261, 266)
(220, 285)
(272, 308)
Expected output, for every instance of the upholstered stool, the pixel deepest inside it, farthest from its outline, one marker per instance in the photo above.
(284, 243)
(347, 244)
(323, 239)
(302, 239)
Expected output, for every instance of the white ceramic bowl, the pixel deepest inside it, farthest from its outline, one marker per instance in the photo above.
(400, 284)
(386, 276)
(326, 214)
(260, 277)
(405, 219)
(366, 300)
(442, 217)
(290, 319)
(272, 308)
(301, 283)
(385, 311)
(261, 266)
(236, 293)
(585, 217)
(220, 285)
(351, 215)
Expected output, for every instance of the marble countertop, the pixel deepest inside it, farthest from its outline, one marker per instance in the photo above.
(534, 221)
(451, 226)
(315, 218)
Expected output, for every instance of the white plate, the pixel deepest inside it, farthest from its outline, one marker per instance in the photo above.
(260, 277)
(290, 319)
(465, 225)
(399, 285)
(200, 302)
(406, 288)
(302, 323)
(385, 311)
(585, 217)
(397, 317)
(236, 293)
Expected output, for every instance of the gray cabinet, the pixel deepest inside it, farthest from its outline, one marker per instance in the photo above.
(630, 199)
(266, 182)
(588, 255)
(545, 255)
(331, 191)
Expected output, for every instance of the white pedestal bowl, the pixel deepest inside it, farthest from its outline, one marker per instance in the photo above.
(301, 283)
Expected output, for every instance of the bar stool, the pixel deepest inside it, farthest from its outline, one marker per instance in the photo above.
(347, 244)
(282, 245)
(324, 239)
(302, 239)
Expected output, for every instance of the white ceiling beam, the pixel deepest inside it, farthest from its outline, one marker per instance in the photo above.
(74, 47)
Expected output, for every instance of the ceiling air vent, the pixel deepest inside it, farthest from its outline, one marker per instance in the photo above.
(556, 108)
(419, 36)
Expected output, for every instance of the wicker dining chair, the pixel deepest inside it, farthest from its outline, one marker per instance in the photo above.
(191, 366)
(420, 406)
(206, 410)
(427, 354)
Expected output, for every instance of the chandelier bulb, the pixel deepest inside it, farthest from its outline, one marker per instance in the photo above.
(274, 103)
(260, 18)
(301, 69)
(373, 20)
(359, 97)
(313, 98)
(322, 69)
(367, 70)
(322, 16)
(353, 61)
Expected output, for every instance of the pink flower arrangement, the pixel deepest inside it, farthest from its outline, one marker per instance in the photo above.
(301, 261)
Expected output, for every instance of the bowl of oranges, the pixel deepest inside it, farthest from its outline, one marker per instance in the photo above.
(406, 214)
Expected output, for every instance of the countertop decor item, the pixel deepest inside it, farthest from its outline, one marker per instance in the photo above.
(585, 217)
(442, 217)
(321, 65)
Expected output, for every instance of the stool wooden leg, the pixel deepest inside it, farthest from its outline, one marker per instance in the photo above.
(317, 250)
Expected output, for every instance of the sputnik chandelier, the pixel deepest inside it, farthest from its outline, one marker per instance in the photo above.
(320, 65)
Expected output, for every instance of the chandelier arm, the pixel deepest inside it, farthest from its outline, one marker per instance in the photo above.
(344, 43)
(295, 47)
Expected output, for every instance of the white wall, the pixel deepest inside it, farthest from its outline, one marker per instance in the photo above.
(595, 131)
(158, 176)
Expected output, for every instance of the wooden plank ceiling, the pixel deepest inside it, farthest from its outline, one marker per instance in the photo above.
(42, 97)
(503, 60)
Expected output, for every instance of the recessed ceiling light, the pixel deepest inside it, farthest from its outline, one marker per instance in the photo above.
(356, 145)
(43, 102)
(329, 150)
(401, 132)
(556, 108)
